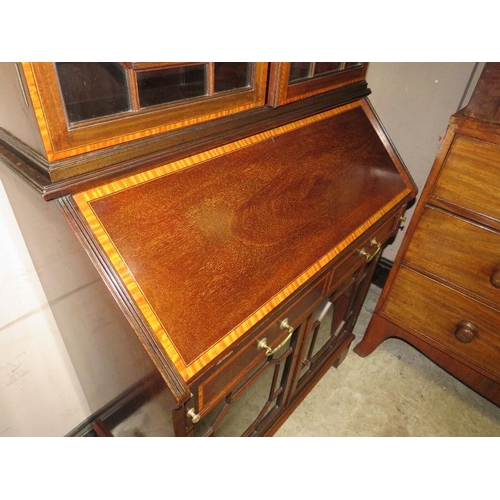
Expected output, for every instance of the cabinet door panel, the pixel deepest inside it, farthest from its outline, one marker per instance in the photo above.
(251, 404)
(326, 327)
(140, 100)
(291, 81)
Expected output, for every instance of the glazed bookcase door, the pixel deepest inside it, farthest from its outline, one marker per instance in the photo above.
(254, 404)
(87, 106)
(291, 81)
(327, 326)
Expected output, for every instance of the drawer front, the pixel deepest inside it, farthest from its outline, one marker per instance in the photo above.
(458, 251)
(233, 368)
(442, 314)
(367, 250)
(470, 177)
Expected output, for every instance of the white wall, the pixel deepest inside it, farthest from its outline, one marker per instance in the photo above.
(414, 102)
(40, 394)
(93, 350)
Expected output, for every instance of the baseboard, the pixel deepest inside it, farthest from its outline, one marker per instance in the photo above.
(382, 270)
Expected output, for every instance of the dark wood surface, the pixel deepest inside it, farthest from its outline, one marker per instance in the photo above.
(198, 240)
(484, 104)
(71, 175)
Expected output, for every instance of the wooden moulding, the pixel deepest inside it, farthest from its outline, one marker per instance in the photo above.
(62, 177)
(181, 245)
(63, 141)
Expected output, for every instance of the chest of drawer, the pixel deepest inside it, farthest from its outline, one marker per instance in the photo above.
(468, 328)
(470, 177)
(458, 251)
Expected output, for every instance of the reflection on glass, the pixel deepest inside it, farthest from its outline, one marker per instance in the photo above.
(231, 75)
(241, 413)
(353, 65)
(245, 410)
(325, 67)
(328, 325)
(322, 321)
(171, 84)
(299, 70)
(92, 90)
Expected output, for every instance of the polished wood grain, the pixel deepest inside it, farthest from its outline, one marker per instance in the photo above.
(438, 312)
(189, 239)
(80, 172)
(61, 141)
(484, 104)
(280, 92)
(229, 374)
(382, 328)
(457, 251)
(470, 177)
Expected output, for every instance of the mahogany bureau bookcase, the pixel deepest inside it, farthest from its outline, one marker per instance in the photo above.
(235, 211)
(443, 293)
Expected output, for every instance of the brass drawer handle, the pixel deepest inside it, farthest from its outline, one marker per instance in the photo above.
(195, 417)
(370, 256)
(262, 344)
(465, 332)
(495, 276)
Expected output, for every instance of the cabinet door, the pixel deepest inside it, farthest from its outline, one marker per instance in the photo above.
(327, 326)
(86, 106)
(291, 81)
(250, 407)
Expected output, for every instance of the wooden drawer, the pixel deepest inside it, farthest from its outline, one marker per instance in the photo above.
(233, 368)
(470, 177)
(458, 251)
(370, 244)
(436, 311)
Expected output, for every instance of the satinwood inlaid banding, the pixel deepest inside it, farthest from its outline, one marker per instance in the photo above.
(191, 239)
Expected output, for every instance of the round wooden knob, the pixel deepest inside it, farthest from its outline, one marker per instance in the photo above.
(465, 331)
(495, 276)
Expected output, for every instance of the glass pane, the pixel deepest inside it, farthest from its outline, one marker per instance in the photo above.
(328, 324)
(231, 75)
(243, 412)
(253, 404)
(325, 67)
(162, 86)
(324, 331)
(353, 65)
(321, 320)
(299, 70)
(92, 90)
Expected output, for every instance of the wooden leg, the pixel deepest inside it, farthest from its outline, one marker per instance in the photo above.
(378, 330)
(341, 358)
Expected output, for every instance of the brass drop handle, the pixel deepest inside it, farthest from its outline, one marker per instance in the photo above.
(262, 344)
(495, 276)
(466, 332)
(195, 417)
(370, 256)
